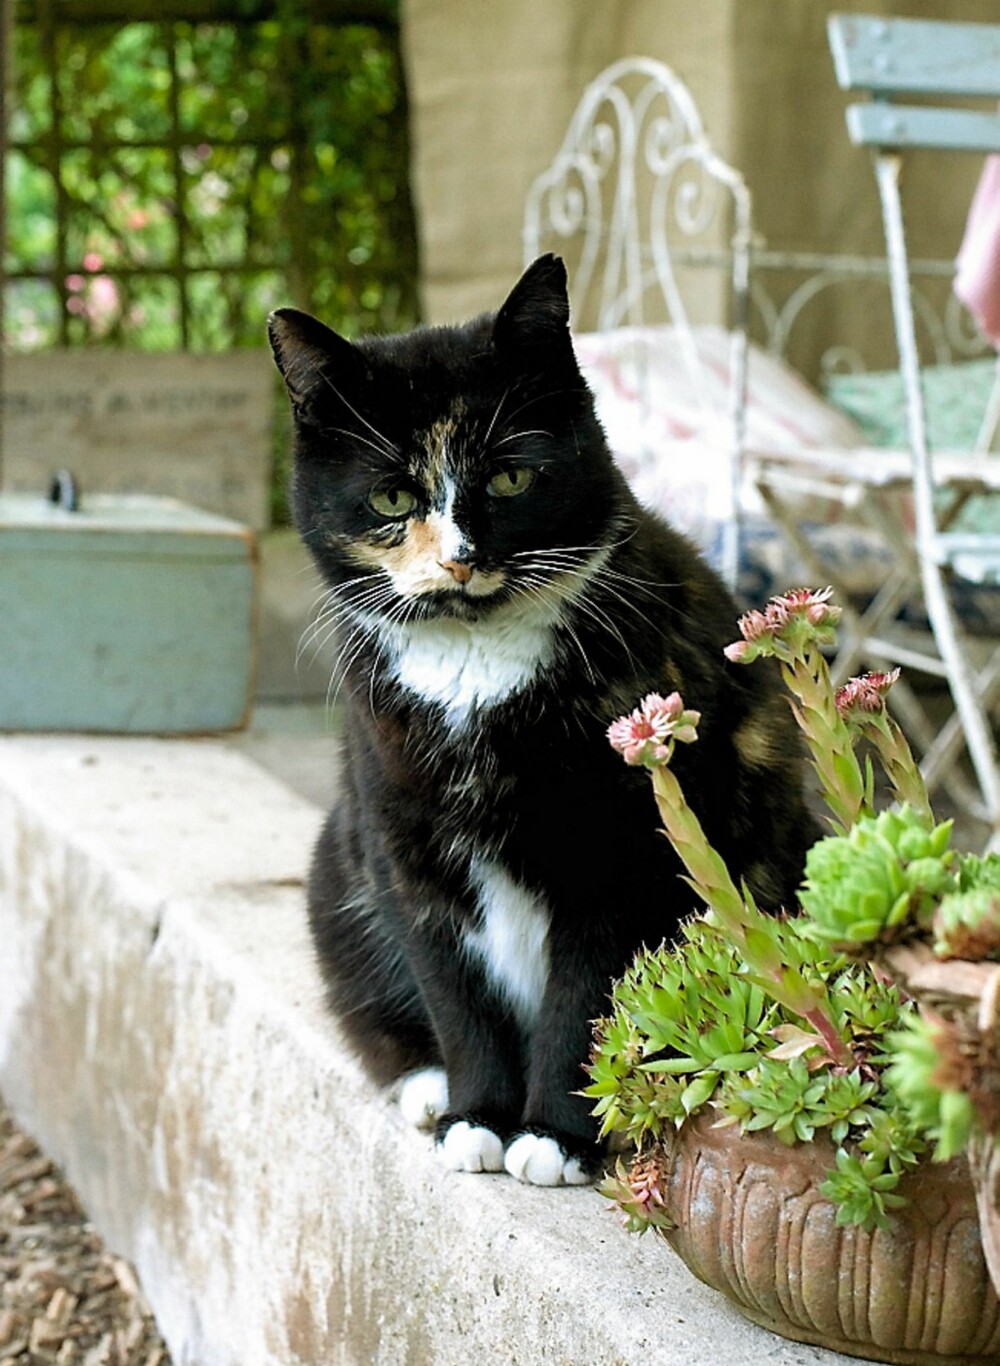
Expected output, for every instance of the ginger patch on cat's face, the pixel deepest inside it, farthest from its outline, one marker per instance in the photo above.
(430, 552)
(416, 553)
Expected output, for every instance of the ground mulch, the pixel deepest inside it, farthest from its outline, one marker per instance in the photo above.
(65, 1299)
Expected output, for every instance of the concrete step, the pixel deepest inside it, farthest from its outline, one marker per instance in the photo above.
(162, 1035)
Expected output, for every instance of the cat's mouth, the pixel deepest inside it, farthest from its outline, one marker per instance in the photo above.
(462, 602)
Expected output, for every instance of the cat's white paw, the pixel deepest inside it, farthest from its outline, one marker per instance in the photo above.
(541, 1162)
(471, 1148)
(423, 1097)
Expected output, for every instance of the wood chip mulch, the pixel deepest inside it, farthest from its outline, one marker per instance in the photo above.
(65, 1300)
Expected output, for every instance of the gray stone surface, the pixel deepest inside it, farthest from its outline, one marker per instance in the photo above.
(162, 1034)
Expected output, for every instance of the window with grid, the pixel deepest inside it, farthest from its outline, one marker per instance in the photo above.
(174, 170)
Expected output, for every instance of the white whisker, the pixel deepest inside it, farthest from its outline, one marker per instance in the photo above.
(537, 590)
(356, 436)
(516, 436)
(385, 445)
(493, 419)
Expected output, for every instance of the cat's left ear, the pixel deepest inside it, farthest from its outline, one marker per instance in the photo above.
(304, 349)
(536, 312)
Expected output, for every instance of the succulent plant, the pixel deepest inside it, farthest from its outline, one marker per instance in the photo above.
(967, 924)
(885, 875)
(773, 1022)
(942, 1111)
(689, 1030)
(975, 872)
(637, 1190)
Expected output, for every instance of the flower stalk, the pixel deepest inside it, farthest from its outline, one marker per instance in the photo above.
(861, 703)
(647, 737)
(793, 629)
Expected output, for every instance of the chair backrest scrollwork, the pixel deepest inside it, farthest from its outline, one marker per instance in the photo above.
(640, 207)
(633, 192)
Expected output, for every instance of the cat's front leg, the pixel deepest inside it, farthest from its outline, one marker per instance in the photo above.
(482, 1051)
(485, 1098)
(557, 1143)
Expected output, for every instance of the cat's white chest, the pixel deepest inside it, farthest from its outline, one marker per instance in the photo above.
(464, 666)
(511, 941)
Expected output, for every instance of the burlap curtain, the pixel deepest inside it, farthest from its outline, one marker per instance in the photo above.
(493, 83)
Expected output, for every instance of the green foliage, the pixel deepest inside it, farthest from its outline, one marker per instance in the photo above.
(886, 872)
(977, 873)
(681, 1020)
(287, 182)
(946, 1115)
(863, 1186)
(967, 924)
(690, 1030)
(866, 1007)
(862, 1189)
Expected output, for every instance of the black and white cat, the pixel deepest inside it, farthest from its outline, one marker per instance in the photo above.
(491, 865)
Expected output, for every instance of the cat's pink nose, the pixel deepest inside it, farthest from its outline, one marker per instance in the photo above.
(460, 572)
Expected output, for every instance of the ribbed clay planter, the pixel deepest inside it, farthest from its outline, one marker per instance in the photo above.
(951, 988)
(752, 1223)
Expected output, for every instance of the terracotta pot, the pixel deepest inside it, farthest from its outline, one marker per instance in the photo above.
(752, 1223)
(984, 1159)
(954, 988)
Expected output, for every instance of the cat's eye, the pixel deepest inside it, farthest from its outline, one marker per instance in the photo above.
(509, 482)
(392, 502)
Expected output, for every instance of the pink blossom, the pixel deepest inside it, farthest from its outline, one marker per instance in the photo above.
(865, 694)
(756, 624)
(647, 735)
(792, 618)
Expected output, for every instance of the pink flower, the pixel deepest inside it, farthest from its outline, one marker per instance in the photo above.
(813, 601)
(865, 694)
(798, 616)
(647, 735)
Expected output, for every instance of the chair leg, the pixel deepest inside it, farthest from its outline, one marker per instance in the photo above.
(949, 742)
(944, 624)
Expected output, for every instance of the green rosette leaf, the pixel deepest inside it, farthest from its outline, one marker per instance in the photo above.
(967, 925)
(868, 884)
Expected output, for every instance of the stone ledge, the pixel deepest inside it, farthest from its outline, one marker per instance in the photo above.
(161, 1033)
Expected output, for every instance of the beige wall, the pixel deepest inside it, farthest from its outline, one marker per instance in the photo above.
(493, 84)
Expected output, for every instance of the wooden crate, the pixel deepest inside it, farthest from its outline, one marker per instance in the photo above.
(133, 614)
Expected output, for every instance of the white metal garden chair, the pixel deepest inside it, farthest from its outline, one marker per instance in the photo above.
(640, 206)
(890, 58)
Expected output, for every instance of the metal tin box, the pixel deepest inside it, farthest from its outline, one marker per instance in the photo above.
(131, 614)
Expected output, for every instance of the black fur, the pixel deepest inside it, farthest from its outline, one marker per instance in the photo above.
(529, 784)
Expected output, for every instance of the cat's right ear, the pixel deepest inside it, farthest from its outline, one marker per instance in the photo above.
(535, 315)
(309, 354)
